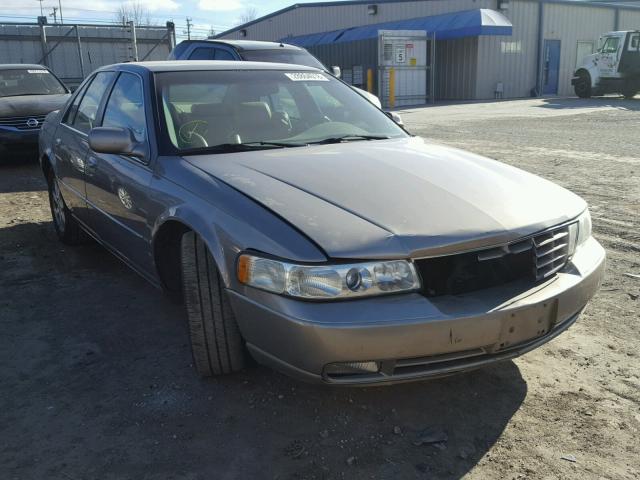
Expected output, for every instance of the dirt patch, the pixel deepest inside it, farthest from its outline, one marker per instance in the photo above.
(97, 381)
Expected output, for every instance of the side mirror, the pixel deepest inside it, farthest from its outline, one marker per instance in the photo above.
(395, 117)
(337, 72)
(115, 140)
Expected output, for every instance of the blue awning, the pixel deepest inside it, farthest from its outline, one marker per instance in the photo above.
(468, 23)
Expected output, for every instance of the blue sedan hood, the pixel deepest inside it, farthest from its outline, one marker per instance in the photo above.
(395, 198)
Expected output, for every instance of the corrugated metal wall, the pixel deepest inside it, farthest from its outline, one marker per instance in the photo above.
(319, 19)
(571, 24)
(629, 20)
(510, 60)
(101, 45)
(362, 53)
(456, 68)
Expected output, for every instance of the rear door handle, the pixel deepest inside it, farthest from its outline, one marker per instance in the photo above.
(58, 141)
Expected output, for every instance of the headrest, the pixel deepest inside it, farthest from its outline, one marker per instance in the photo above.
(254, 112)
(209, 109)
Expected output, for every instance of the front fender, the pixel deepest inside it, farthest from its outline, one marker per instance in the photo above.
(226, 220)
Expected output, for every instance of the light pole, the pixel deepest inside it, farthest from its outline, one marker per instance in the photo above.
(60, 8)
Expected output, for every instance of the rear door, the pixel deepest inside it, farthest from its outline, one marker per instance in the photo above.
(117, 185)
(71, 145)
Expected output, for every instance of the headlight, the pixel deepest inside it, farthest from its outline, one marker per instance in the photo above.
(327, 281)
(580, 231)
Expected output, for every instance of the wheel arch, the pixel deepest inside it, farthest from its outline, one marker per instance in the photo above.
(592, 72)
(166, 248)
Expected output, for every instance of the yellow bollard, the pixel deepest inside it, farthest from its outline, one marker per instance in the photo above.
(370, 80)
(392, 88)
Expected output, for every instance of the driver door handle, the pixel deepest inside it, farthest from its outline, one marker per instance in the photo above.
(58, 141)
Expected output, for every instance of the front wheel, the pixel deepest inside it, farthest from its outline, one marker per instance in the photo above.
(66, 226)
(630, 91)
(216, 342)
(583, 85)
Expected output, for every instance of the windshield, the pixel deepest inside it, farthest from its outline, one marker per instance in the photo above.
(29, 82)
(283, 55)
(235, 110)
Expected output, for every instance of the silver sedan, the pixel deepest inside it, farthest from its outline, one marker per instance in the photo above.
(301, 225)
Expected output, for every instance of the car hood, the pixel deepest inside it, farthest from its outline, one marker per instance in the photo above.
(395, 198)
(25, 105)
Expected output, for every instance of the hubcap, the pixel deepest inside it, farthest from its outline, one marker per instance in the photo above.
(57, 205)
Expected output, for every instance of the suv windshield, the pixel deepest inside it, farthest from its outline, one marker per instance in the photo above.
(250, 109)
(25, 81)
(283, 55)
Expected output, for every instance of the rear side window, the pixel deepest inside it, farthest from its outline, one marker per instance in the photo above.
(73, 108)
(223, 54)
(85, 118)
(634, 43)
(202, 53)
(125, 107)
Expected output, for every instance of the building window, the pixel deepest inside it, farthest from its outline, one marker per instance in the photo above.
(511, 47)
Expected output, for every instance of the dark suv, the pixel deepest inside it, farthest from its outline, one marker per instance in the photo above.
(254, 51)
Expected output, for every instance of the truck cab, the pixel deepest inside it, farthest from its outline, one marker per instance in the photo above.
(614, 68)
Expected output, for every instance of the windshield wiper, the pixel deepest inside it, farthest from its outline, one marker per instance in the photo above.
(241, 147)
(349, 138)
(275, 144)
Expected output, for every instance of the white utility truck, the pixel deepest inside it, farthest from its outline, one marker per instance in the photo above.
(614, 68)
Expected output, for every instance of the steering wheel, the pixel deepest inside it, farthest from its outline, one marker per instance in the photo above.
(192, 133)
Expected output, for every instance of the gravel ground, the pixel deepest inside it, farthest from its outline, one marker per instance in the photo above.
(96, 380)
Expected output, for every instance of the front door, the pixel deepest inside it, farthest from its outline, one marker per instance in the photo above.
(551, 67)
(117, 185)
(608, 56)
(71, 142)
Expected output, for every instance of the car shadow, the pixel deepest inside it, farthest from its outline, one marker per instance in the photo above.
(98, 380)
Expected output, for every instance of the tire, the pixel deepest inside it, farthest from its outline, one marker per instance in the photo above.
(629, 91)
(583, 86)
(216, 343)
(65, 225)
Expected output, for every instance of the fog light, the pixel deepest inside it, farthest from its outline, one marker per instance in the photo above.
(350, 368)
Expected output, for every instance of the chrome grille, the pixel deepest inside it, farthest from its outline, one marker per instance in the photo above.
(551, 251)
(23, 123)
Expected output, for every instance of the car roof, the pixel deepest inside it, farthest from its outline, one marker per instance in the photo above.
(248, 44)
(199, 65)
(22, 66)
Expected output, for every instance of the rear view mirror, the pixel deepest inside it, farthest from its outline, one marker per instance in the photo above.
(337, 72)
(395, 117)
(115, 140)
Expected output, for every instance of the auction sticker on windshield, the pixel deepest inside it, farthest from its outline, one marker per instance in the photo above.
(304, 77)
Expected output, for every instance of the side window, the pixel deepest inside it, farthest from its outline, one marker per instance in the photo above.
(125, 107)
(611, 45)
(70, 114)
(634, 43)
(223, 55)
(85, 119)
(202, 53)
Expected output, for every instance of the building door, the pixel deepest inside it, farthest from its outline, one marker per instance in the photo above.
(551, 67)
(403, 68)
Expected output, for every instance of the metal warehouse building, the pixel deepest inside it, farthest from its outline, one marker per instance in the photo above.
(448, 49)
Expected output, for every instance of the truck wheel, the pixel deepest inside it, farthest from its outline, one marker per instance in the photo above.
(66, 226)
(629, 91)
(583, 85)
(216, 342)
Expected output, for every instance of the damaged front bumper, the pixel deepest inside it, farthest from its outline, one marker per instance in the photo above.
(411, 337)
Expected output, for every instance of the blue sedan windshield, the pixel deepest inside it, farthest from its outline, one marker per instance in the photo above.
(206, 109)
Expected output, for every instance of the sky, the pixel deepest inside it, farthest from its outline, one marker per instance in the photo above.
(205, 14)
